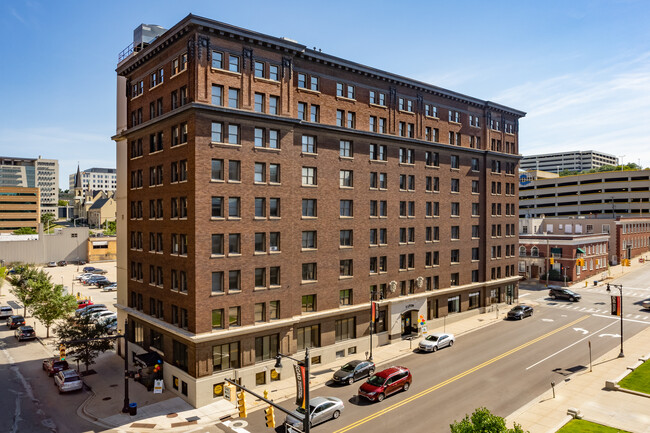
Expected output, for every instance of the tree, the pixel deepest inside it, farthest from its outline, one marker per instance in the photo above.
(3, 275)
(82, 338)
(483, 421)
(110, 228)
(51, 303)
(25, 231)
(63, 202)
(23, 282)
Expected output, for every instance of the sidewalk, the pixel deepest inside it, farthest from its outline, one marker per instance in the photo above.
(154, 410)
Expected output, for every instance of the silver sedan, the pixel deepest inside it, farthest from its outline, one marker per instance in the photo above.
(436, 341)
(321, 409)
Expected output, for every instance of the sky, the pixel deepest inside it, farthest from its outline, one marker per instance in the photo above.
(580, 69)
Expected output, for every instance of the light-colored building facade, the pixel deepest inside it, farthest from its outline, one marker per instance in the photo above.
(96, 179)
(101, 210)
(577, 161)
(33, 173)
(608, 194)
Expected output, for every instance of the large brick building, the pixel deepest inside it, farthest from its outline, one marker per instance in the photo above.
(267, 191)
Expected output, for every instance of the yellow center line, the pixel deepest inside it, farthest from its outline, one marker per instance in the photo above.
(455, 378)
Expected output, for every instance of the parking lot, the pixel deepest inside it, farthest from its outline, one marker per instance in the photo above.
(66, 275)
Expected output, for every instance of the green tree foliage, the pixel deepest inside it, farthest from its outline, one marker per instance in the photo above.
(63, 202)
(51, 303)
(83, 339)
(110, 228)
(25, 231)
(3, 275)
(482, 421)
(25, 283)
(47, 218)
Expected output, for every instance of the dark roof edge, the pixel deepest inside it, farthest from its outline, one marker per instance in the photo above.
(306, 52)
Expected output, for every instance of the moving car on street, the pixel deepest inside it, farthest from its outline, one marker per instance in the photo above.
(68, 380)
(321, 409)
(562, 293)
(520, 311)
(14, 322)
(25, 333)
(53, 365)
(436, 341)
(354, 370)
(646, 304)
(386, 382)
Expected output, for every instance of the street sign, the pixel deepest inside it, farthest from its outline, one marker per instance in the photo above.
(158, 386)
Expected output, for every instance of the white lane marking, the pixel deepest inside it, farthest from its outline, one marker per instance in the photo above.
(584, 331)
(571, 345)
(548, 320)
(617, 318)
(610, 335)
(525, 294)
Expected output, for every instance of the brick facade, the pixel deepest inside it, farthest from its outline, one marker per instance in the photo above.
(482, 188)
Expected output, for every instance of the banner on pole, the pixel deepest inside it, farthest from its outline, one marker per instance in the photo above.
(300, 384)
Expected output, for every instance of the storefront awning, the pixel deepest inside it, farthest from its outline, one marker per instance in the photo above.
(148, 359)
(580, 250)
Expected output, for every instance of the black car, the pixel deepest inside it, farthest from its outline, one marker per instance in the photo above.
(520, 311)
(25, 333)
(562, 293)
(103, 283)
(61, 263)
(14, 322)
(354, 370)
(89, 268)
(54, 365)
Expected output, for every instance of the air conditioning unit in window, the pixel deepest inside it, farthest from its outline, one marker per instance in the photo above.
(274, 248)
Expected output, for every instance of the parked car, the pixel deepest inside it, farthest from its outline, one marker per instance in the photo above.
(25, 333)
(15, 321)
(646, 304)
(562, 293)
(386, 382)
(110, 288)
(111, 326)
(83, 303)
(321, 409)
(53, 365)
(103, 283)
(88, 268)
(354, 370)
(102, 315)
(6, 311)
(94, 280)
(51, 264)
(520, 311)
(436, 341)
(89, 309)
(61, 263)
(68, 380)
(99, 271)
(82, 276)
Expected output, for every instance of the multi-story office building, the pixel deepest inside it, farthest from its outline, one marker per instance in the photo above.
(95, 179)
(33, 173)
(612, 193)
(267, 192)
(578, 161)
(19, 207)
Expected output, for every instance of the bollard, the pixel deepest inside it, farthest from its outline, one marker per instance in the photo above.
(553, 388)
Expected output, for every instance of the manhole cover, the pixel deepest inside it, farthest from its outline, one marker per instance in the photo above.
(172, 415)
(106, 398)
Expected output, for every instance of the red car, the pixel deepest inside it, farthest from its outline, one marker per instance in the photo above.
(386, 382)
(84, 303)
(54, 365)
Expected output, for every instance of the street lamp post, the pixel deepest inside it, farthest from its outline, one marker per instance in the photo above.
(306, 423)
(620, 290)
(125, 408)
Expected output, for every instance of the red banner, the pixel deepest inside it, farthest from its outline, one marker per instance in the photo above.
(300, 384)
(373, 311)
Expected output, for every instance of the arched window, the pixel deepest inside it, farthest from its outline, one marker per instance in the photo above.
(522, 251)
(534, 252)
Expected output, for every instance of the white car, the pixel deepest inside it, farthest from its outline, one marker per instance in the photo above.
(646, 304)
(68, 380)
(101, 316)
(110, 288)
(84, 277)
(436, 341)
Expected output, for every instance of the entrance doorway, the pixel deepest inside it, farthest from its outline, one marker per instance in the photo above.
(409, 323)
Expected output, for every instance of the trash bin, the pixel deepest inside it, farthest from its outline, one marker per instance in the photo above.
(133, 408)
(595, 283)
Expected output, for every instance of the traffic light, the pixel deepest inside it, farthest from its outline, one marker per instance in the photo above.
(580, 262)
(62, 352)
(241, 404)
(551, 260)
(269, 416)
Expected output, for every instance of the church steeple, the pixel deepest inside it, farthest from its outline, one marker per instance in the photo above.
(77, 178)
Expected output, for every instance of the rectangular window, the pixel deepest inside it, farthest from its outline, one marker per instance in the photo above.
(217, 207)
(217, 132)
(309, 239)
(345, 238)
(345, 329)
(315, 113)
(233, 98)
(234, 243)
(308, 144)
(234, 316)
(345, 148)
(346, 208)
(234, 207)
(345, 297)
(266, 348)
(308, 336)
(455, 161)
(259, 103)
(225, 356)
(308, 303)
(217, 282)
(309, 272)
(217, 244)
(233, 134)
(217, 95)
(233, 63)
(260, 242)
(309, 175)
(345, 178)
(260, 277)
(309, 207)
(345, 268)
(274, 310)
(259, 69)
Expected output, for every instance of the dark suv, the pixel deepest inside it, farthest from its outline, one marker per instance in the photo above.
(54, 365)
(386, 382)
(14, 322)
(562, 293)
